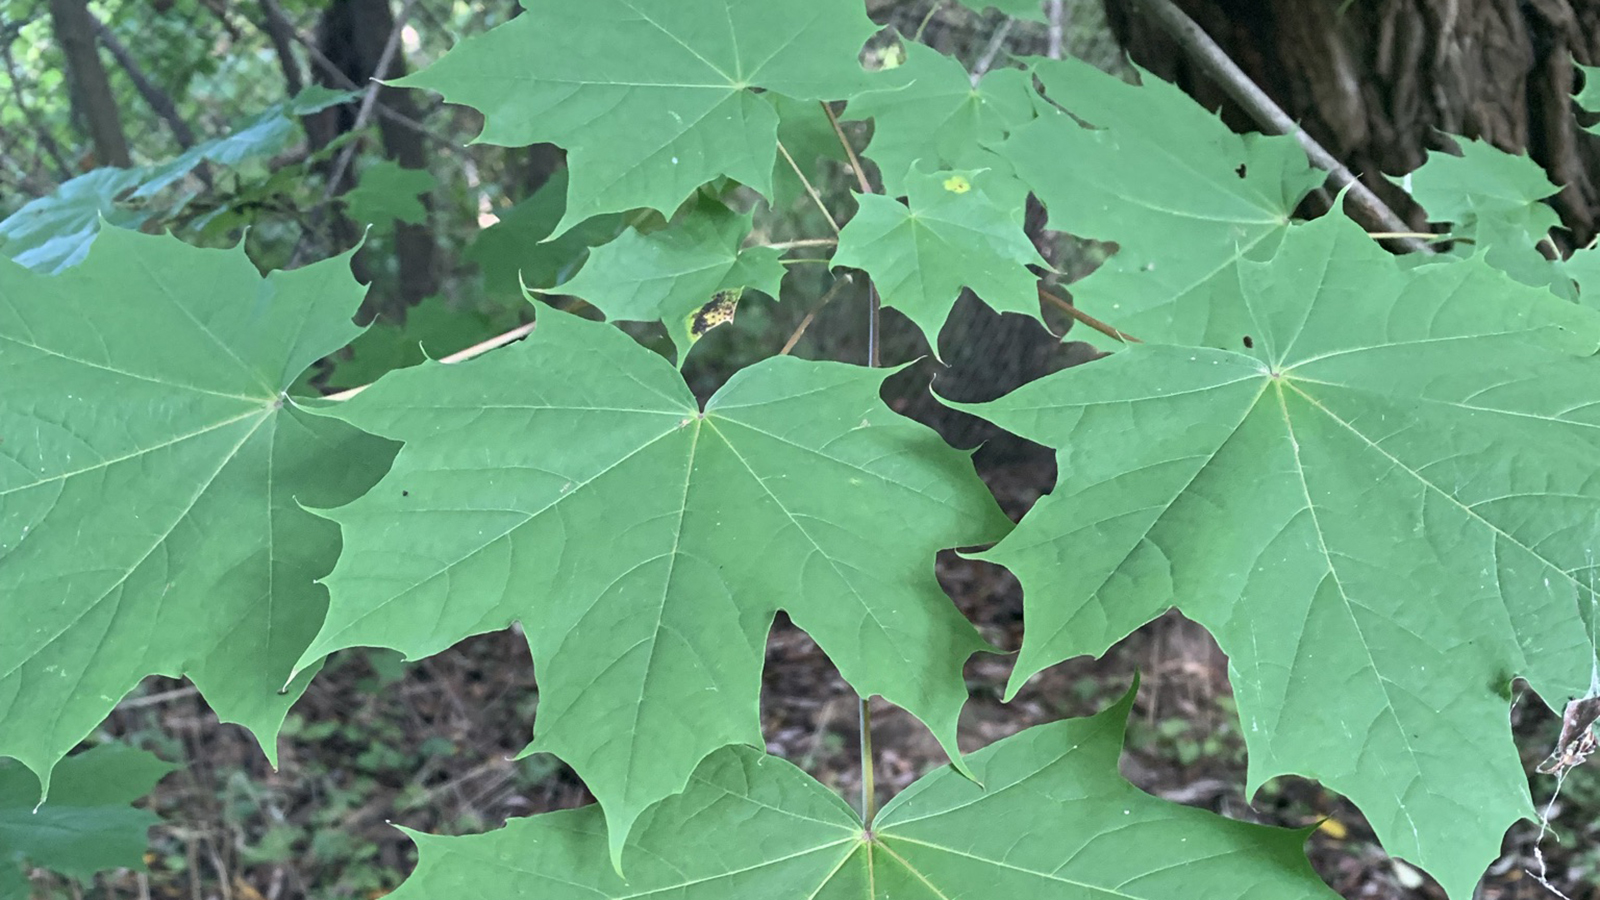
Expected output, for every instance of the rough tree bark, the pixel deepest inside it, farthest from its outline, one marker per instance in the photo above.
(1379, 82)
(93, 105)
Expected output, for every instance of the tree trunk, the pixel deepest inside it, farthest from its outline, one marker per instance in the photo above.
(1378, 82)
(353, 34)
(93, 105)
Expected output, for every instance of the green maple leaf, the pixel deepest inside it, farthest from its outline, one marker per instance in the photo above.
(669, 275)
(1377, 492)
(571, 483)
(928, 109)
(388, 193)
(1052, 820)
(514, 251)
(960, 229)
(1181, 194)
(1583, 267)
(1494, 199)
(150, 482)
(87, 826)
(652, 98)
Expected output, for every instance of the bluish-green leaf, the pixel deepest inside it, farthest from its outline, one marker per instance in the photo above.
(1375, 487)
(571, 482)
(1049, 819)
(87, 826)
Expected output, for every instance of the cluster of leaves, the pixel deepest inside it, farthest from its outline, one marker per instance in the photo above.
(1370, 479)
(53, 232)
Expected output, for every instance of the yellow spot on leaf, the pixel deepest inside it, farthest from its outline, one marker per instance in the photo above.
(718, 310)
(1333, 828)
(957, 184)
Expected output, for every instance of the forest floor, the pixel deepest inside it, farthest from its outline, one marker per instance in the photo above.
(430, 746)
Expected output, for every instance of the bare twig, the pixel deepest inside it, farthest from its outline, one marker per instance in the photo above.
(923, 25)
(1204, 52)
(849, 151)
(805, 323)
(478, 349)
(804, 242)
(810, 188)
(996, 41)
(158, 698)
(1056, 13)
(154, 97)
(1419, 235)
(1087, 319)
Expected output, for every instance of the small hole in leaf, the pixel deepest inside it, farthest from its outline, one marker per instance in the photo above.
(1239, 171)
(408, 493)
(1248, 343)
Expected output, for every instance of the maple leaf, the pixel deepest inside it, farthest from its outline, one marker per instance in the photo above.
(1052, 820)
(1588, 97)
(957, 230)
(928, 110)
(1495, 200)
(669, 275)
(389, 193)
(653, 98)
(1181, 195)
(1376, 489)
(151, 482)
(518, 251)
(87, 826)
(571, 483)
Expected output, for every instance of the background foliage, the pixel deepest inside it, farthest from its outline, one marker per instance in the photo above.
(1367, 477)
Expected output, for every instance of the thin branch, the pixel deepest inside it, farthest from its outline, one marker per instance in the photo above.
(1056, 36)
(805, 323)
(869, 793)
(996, 42)
(923, 25)
(478, 349)
(1087, 319)
(869, 790)
(1204, 52)
(849, 151)
(157, 699)
(364, 114)
(804, 242)
(874, 302)
(157, 99)
(810, 189)
(1419, 235)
